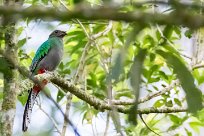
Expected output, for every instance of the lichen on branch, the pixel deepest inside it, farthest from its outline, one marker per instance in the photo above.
(97, 103)
(105, 13)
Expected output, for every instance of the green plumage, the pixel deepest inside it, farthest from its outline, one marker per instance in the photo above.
(43, 51)
(47, 58)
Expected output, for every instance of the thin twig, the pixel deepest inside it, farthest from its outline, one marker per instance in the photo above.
(148, 126)
(198, 66)
(113, 113)
(79, 70)
(107, 124)
(148, 97)
(170, 43)
(52, 120)
(84, 29)
(108, 28)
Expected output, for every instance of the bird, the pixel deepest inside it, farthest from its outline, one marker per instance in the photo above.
(47, 58)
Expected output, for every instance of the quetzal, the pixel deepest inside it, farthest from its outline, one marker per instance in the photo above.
(47, 58)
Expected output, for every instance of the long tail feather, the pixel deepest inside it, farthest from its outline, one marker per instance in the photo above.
(30, 103)
(28, 109)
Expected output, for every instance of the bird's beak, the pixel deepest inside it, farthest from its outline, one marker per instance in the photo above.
(64, 33)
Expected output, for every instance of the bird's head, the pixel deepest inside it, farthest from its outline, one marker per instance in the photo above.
(58, 33)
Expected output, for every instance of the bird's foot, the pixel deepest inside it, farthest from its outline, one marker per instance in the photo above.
(44, 82)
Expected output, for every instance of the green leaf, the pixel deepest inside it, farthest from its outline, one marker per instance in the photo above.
(188, 132)
(159, 103)
(77, 1)
(123, 93)
(168, 31)
(61, 66)
(158, 35)
(135, 80)
(175, 119)
(189, 33)
(78, 46)
(177, 30)
(199, 75)
(19, 31)
(169, 103)
(23, 98)
(75, 99)
(193, 94)
(1, 95)
(177, 101)
(196, 126)
(148, 41)
(163, 75)
(152, 56)
(60, 96)
(171, 49)
(45, 2)
(155, 87)
(21, 42)
(201, 115)
(118, 67)
(152, 79)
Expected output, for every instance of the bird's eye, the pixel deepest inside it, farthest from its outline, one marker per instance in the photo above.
(55, 31)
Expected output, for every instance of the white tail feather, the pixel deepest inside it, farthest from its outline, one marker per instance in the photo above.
(28, 110)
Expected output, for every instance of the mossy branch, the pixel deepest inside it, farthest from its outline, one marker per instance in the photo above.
(101, 105)
(184, 17)
(67, 86)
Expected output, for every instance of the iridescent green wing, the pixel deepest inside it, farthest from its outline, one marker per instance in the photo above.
(40, 54)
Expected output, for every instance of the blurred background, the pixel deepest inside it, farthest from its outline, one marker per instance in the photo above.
(154, 63)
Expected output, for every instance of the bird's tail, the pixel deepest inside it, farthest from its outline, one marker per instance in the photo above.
(30, 103)
(29, 106)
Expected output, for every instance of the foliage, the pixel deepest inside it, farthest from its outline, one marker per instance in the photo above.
(110, 61)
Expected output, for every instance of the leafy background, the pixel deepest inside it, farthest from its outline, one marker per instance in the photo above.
(114, 59)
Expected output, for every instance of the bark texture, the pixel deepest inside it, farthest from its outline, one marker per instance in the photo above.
(8, 108)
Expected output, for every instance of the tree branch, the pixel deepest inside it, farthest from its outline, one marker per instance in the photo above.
(198, 66)
(148, 97)
(105, 13)
(90, 99)
(7, 113)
